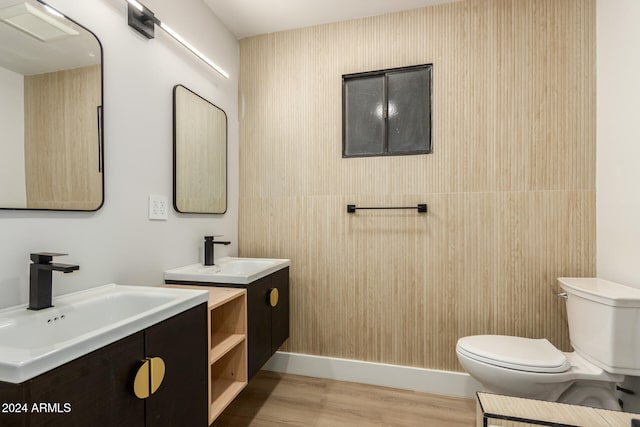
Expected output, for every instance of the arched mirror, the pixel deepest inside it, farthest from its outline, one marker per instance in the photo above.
(50, 110)
(199, 154)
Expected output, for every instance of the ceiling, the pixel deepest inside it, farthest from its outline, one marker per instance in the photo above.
(245, 18)
(26, 55)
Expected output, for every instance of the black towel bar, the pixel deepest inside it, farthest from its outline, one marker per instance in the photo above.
(422, 208)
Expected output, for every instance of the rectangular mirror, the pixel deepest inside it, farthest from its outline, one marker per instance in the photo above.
(50, 110)
(199, 154)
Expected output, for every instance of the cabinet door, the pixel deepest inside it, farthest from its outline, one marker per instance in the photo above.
(12, 398)
(280, 313)
(182, 398)
(94, 390)
(258, 324)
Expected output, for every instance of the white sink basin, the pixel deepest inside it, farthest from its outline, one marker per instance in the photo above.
(34, 342)
(241, 271)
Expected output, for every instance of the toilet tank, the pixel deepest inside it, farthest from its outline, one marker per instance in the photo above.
(604, 323)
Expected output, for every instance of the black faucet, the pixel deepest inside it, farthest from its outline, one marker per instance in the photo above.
(208, 248)
(40, 287)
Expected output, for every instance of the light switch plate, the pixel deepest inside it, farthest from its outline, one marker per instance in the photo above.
(158, 207)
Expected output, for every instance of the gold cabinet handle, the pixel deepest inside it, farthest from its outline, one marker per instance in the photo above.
(274, 295)
(149, 377)
(141, 387)
(157, 373)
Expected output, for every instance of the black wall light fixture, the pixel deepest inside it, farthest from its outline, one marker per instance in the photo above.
(144, 21)
(141, 19)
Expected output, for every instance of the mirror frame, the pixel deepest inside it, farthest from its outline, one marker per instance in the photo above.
(175, 149)
(100, 119)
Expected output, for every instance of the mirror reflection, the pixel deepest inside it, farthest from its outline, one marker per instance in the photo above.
(199, 154)
(50, 110)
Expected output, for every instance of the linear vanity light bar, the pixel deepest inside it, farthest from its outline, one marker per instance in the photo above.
(193, 50)
(143, 20)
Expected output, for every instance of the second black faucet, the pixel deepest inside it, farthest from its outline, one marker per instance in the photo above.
(208, 248)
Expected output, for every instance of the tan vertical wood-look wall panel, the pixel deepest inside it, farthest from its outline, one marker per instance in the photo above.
(510, 184)
(61, 139)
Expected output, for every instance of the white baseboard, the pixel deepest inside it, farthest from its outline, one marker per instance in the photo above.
(446, 383)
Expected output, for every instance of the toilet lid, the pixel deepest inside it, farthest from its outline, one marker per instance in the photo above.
(522, 354)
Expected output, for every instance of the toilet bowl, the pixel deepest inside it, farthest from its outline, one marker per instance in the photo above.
(604, 331)
(535, 369)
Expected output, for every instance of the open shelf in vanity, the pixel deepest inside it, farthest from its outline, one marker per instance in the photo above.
(227, 333)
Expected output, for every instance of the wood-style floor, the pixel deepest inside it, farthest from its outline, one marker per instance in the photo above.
(273, 399)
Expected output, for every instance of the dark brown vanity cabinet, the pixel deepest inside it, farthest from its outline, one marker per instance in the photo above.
(267, 315)
(267, 318)
(97, 389)
(182, 398)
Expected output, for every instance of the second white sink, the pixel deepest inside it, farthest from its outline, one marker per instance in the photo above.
(234, 270)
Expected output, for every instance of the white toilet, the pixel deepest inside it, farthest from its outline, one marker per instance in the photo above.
(604, 328)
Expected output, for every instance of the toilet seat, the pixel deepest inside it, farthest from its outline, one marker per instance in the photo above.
(521, 354)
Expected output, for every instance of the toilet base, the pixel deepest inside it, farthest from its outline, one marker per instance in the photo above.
(593, 394)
